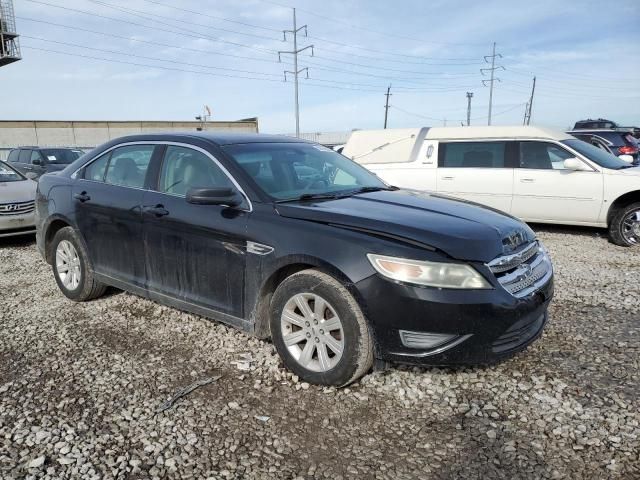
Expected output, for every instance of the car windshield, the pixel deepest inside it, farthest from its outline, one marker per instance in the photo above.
(61, 156)
(597, 155)
(8, 174)
(288, 171)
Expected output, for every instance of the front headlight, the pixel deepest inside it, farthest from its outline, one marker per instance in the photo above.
(432, 274)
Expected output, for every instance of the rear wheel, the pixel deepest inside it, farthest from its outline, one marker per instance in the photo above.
(71, 267)
(624, 228)
(319, 329)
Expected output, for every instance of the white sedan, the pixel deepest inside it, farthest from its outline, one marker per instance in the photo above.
(17, 202)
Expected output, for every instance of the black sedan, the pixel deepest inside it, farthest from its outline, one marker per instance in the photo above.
(290, 240)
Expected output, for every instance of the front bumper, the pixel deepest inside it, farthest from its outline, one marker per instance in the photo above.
(484, 325)
(13, 225)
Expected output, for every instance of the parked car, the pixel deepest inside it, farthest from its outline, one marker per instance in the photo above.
(619, 142)
(338, 268)
(17, 199)
(597, 124)
(37, 161)
(535, 174)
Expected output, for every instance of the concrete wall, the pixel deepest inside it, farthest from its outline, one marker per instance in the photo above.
(87, 135)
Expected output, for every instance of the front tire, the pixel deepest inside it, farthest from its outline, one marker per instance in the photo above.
(624, 229)
(319, 329)
(71, 267)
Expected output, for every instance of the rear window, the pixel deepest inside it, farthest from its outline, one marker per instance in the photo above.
(472, 155)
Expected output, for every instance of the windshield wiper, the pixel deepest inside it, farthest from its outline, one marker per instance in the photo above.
(373, 189)
(311, 196)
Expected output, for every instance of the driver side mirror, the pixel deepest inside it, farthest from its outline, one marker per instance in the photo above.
(36, 161)
(575, 164)
(227, 197)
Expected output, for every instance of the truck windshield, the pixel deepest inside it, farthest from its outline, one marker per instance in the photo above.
(287, 171)
(8, 174)
(61, 156)
(597, 155)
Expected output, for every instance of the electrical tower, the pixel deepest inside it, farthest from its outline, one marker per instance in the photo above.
(469, 97)
(386, 106)
(493, 78)
(527, 111)
(295, 71)
(9, 45)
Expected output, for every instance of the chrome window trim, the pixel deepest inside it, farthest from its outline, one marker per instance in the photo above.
(74, 175)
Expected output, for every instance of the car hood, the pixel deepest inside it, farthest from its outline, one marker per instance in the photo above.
(463, 230)
(21, 191)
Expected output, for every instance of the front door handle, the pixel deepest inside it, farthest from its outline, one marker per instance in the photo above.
(157, 210)
(527, 180)
(83, 197)
(447, 178)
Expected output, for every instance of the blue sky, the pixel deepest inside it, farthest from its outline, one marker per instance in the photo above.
(585, 56)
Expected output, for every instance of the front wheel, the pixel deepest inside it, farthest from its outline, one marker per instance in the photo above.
(624, 228)
(319, 329)
(71, 267)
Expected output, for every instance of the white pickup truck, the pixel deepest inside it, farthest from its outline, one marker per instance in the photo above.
(536, 174)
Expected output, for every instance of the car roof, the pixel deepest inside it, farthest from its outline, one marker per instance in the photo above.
(502, 132)
(217, 138)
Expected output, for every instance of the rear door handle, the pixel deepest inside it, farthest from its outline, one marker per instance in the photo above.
(157, 210)
(527, 180)
(83, 197)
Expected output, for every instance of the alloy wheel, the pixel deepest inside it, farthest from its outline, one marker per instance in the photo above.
(312, 332)
(68, 265)
(631, 227)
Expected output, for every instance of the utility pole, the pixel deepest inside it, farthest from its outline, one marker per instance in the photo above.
(469, 97)
(386, 106)
(295, 71)
(493, 78)
(527, 115)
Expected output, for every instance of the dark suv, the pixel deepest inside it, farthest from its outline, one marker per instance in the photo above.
(36, 161)
(290, 240)
(618, 141)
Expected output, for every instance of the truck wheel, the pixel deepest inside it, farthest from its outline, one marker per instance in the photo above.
(319, 329)
(71, 267)
(624, 228)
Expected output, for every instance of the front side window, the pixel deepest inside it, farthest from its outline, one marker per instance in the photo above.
(472, 155)
(35, 155)
(184, 168)
(95, 170)
(542, 156)
(128, 165)
(289, 170)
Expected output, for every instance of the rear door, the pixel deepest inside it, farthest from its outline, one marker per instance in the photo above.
(544, 191)
(478, 171)
(194, 253)
(108, 196)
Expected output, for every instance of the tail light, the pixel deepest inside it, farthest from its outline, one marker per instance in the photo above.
(627, 150)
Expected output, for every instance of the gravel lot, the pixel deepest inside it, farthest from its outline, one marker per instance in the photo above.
(80, 385)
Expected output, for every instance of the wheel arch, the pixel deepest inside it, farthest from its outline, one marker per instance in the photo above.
(621, 202)
(295, 264)
(53, 226)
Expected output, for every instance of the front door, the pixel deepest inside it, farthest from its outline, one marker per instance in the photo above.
(108, 197)
(476, 171)
(194, 253)
(545, 191)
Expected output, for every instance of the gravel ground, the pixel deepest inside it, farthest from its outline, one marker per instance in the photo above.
(80, 385)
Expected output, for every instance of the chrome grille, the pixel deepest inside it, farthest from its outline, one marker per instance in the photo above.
(523, 272)
(17, 208)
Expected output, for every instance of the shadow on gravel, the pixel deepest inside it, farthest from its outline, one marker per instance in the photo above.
(20, 241)
(580, 231)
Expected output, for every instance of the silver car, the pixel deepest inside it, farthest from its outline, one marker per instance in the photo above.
(17, 202)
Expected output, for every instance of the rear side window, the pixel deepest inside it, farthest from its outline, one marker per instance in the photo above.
(472, 155)
(13, 156)
(184, 168)
(128, 165)
(24, 156)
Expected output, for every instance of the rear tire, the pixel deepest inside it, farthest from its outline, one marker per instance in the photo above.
(72, 268)
(622, 225)
(319, 329)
